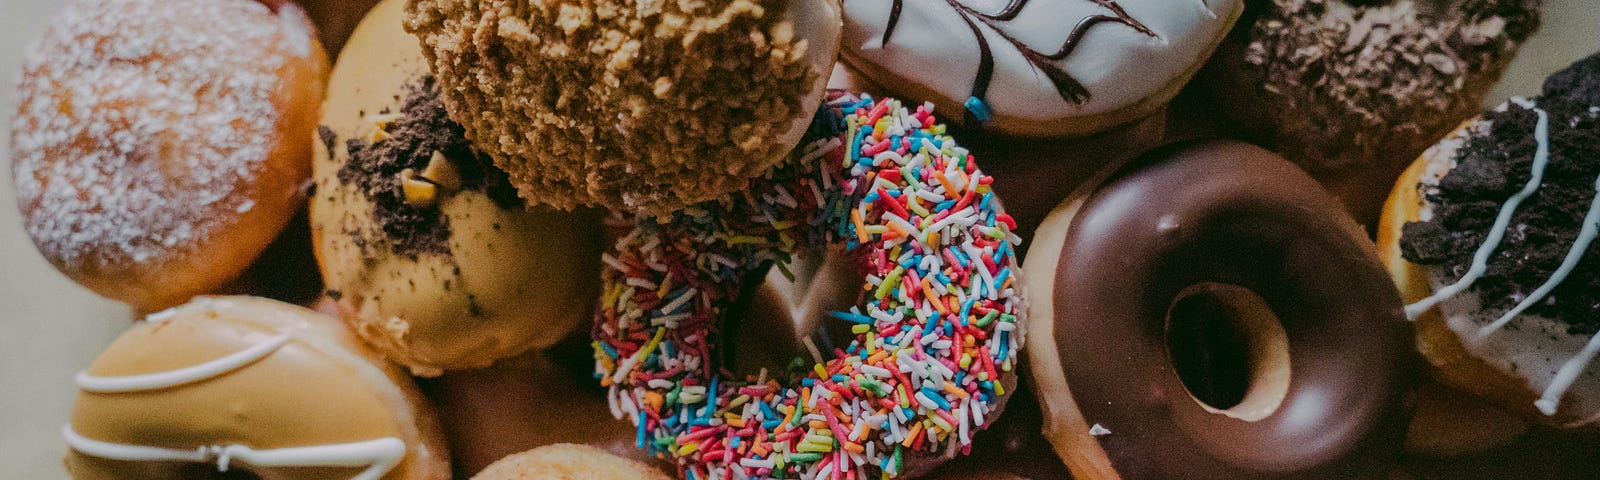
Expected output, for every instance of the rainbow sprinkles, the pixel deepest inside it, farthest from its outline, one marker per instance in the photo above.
(936, 335)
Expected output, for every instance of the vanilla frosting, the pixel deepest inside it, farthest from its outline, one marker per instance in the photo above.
(1039, 67)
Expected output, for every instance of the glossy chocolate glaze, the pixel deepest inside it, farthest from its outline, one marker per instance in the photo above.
(1230, 213)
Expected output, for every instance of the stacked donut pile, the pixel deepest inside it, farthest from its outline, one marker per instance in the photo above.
(785, 239)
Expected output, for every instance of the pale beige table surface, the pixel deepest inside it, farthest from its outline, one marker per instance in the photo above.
(50, 327)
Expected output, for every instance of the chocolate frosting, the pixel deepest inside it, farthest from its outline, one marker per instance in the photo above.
(1231, 214)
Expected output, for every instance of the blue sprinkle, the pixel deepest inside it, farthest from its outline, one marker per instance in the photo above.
(839, 378)
(979, 110)
(984, 204)
(807, 382)
(945, 205)
(1001, 278)
(639, 440)
(851, 317)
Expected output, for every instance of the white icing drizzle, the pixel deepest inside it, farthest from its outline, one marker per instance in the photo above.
(379, 456)
(1551, 399)
(1591, 226)
(171, 378)
(1480, 259)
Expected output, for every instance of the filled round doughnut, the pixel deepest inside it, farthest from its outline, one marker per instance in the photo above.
(635, 105)
(160, 146)
(567, 461)
(420, 239)
(1353, 90)
(1041, 68)
(1488, 236)
(1207, 311)
(248, 386)
(935, 336)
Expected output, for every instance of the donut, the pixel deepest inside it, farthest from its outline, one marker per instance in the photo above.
(548, 396)
(1045, 68)
(248, 386)
(1353, 90)
(1488, 235)
(159, 146)
(1209, 312)
(423, 242)
(634, 105)
(568, 462)
(935, 338)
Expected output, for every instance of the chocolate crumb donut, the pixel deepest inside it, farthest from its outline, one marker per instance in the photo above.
(1208, 312)
(1352, 90)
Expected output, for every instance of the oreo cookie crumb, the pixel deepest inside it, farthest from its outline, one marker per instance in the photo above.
(1491, 167)
(1579, 82)
(423, 128)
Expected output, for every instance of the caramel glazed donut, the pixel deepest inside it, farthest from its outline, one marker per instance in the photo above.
(935, 339)
(248, 384)
(160, 146)
(1489, 237)
(422, 242)
(1215, 315)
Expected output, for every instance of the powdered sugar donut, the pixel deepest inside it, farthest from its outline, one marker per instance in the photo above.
(160, 146)
(1040, 67)
(934, 341)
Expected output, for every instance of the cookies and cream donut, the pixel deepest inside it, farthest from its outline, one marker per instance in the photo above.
(422, 241)
(244, 384)
(1488, 235)
(637, 105)
(934, 342)
(568, 462)
(1039, 67)
(159, 146)
(1208, 312)
(1354, 90)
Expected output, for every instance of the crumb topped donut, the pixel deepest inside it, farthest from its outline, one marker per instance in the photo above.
(630, 104)
(251, 387)
(159, 146)
(421, 240)
(1039, 67)
(1353, 90)
(1207, 312)
(1490, 235)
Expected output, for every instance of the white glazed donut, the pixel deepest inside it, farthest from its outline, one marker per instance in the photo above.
(1041, 67)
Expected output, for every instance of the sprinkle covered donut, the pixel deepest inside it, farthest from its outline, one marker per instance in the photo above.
(936, 337)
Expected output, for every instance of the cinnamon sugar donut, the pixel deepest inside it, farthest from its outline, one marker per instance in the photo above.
(1208, 312)
(160, 145)
(252, 386)
(638, 105)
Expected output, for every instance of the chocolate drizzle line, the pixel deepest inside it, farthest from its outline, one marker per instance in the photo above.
(374, 168)
(1071, 90)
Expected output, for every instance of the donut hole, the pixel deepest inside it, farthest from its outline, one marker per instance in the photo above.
(1229, 350)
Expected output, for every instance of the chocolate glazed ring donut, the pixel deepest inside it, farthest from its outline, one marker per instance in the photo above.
(1216, 315)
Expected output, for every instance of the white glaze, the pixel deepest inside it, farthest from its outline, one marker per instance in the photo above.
(1118, 65)
(379, 456)
(1586, 235)
(181, 376)
(1480, 259)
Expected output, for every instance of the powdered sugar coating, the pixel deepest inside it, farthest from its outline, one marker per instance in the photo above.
(142, 124)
